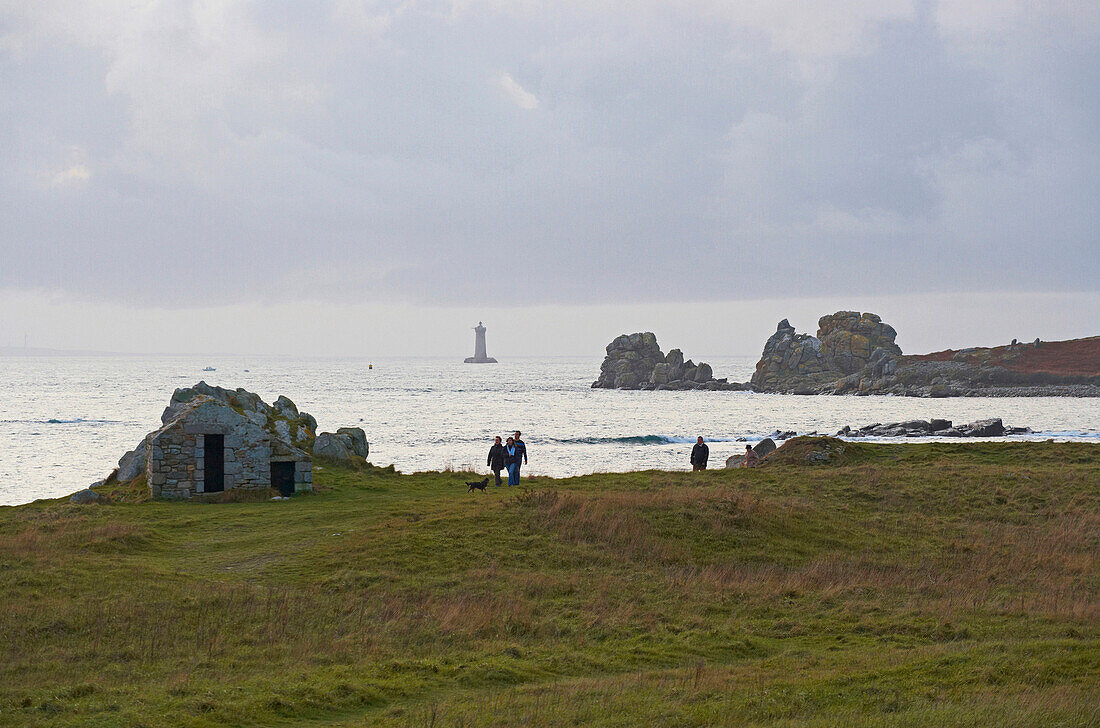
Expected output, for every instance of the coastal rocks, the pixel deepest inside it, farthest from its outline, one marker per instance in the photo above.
(298, 428)
(934, 428)
(132, 464)
(332, 446)
(358, 438)
(84, 497)
(788, 355)
(985, 428)
(342, 444)
(630, 361)
(855, 353)
(762, 449)
(635, 361)
(851, 350)
(851, 340)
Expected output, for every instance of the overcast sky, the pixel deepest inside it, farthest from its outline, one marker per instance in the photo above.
(377, 176)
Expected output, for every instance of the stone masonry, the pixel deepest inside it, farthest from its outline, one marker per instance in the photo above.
(176, 456)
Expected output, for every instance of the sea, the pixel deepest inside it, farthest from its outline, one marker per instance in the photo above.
(65, 421)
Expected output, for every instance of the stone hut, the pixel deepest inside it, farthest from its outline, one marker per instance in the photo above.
(210, 447)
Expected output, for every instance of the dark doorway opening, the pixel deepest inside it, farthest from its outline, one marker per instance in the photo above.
(213, 465)
(282, 478)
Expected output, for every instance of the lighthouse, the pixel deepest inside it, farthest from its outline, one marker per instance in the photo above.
(480, 357)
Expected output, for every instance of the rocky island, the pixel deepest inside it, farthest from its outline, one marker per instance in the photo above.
(855, 353)
(635, 361)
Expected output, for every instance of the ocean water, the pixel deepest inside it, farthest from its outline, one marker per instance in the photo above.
(65, 421)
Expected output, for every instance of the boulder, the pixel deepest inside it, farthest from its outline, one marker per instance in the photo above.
(764, 448)
(333, 446)
(359, 444)
(938, 425)
(132, 464)
(703, 373)
(84, 497)
(985, 428)
(284, 407)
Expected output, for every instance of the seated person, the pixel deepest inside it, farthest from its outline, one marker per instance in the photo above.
(751, 459)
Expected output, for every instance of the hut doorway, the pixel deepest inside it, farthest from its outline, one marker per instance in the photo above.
(213, 465)
(282, 478)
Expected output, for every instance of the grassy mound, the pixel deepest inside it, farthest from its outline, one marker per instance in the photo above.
(808, 450)
(935, 584)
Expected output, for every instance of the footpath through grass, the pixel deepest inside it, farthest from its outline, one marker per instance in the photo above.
(900, 585)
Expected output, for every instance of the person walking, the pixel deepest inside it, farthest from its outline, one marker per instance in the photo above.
(699, 455)
(495, 461)
(510, 461)
(521, 453)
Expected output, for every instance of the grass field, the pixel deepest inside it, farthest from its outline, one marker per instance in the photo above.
(896, 585)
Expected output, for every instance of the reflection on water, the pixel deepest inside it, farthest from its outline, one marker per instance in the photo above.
(64, 422)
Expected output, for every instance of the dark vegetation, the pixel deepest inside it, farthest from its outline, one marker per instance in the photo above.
(902, 585)
(1052, 362)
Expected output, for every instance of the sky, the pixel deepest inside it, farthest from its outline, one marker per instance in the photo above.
(367, 177)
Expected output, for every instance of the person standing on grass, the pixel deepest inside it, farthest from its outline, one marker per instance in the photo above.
(495, 461)
(521, 453)
(699, 455)
(510, 461)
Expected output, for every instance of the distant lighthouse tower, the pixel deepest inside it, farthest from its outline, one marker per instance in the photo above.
(480, 357)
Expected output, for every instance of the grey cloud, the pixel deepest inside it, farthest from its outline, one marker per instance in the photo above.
(370, 151)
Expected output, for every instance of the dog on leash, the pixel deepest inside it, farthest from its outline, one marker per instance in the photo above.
(477, 485)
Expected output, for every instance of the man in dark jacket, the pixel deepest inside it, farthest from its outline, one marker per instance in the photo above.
(521, 451)
(699, 455)
(495, 461)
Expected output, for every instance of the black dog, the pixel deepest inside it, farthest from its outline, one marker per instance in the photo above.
(477, 485)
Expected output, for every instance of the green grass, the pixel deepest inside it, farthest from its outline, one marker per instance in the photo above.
(895, 585)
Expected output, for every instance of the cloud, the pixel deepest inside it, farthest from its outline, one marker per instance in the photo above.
(357, 151)
(75, 173)
(520, 96)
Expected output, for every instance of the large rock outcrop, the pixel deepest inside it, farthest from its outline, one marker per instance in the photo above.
(855, 353)
(635, 361)
(850, 340)
(342, 444)
(847, 343)
(282, 419)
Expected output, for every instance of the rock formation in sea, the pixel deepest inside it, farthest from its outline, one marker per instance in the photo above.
(992, 427)
(847, 343)
(635, 361)
(855, 353)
